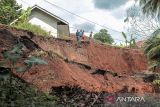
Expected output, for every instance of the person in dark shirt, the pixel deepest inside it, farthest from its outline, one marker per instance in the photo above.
(90, 35)
(77, 35)
(83, 34)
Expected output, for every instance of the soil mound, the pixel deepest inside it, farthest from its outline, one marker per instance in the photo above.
(92, 66)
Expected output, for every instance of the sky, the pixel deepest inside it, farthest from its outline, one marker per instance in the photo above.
(107, 13)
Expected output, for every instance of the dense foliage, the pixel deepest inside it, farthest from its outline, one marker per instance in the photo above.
(23, 95)
(9, 11)
(152, 49)
(104, 36)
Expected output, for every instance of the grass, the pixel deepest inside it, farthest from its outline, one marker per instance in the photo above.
(33, 28)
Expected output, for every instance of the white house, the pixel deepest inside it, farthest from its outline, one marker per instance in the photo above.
(49, 22)
(56, 26)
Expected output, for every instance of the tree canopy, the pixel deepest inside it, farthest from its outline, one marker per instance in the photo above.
(9, 11)
(151, 7)
(104, 36)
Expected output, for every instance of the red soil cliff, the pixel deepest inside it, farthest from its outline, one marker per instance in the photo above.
(67, 64)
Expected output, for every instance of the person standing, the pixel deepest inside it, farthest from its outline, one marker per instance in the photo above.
(90, 36)
(77, 35)
(80, 35)
(83, 34)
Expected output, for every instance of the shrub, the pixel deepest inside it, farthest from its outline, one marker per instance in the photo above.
(104, 36)
(33, 28)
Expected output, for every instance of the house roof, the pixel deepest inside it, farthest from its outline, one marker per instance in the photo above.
(45, 11)
(49, 13)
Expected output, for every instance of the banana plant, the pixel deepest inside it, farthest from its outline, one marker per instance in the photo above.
(125, 37)
(131, 42)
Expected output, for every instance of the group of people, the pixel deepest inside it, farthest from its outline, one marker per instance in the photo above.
(80, 35)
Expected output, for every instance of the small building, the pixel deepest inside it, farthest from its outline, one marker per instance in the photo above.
(53, 24)
(56, 26)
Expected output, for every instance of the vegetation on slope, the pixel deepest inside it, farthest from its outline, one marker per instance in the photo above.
(33, 28)
(22, 23)
(9, 11)
(23, 94)
(11, 89)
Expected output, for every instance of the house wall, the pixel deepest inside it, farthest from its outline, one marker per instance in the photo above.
(63, 30)
(44, 20)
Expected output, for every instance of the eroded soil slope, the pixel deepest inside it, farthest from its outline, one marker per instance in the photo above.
(89, 65)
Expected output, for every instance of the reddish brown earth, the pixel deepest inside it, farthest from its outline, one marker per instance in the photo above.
(59, 72)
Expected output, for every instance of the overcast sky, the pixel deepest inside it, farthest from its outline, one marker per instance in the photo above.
(109, 13)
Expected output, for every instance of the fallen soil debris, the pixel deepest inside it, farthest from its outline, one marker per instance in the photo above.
(69, 65)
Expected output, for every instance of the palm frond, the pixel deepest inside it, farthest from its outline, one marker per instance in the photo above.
(154, 52)
(153, 41)
(150, 7)
(152, 49)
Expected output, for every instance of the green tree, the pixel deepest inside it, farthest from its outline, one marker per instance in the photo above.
(152, 49)
(104, 36)
(9, 11)
(151, 7)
